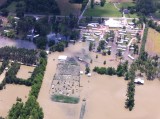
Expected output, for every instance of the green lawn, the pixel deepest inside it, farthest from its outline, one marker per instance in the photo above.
(65, 99)
(131, 15)
(125, 4)
(107, 11)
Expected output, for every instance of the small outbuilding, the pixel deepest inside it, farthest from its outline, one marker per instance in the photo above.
(139, 81)
(81, 72)
(126, 11)
(89, 74)
(62, 58)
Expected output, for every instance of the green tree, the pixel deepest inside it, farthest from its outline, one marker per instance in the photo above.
(130, 95)
(92, 4)
(104, 62)
(102, 2)
(145, 6)
(90, 46)
(87, 70)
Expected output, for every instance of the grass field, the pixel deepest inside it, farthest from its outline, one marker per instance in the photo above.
(131, 15)
(153, 42)
(107, 11)
(65, 99)
(126, 4)
(66, 8)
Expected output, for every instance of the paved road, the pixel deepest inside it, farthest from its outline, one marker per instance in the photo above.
(81, 16)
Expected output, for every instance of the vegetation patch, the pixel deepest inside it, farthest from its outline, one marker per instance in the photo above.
(68, 8)
(126, 4)
(144, 40)
(65, 99)
(153, 42)
(22, 55)
(31, 109)
(29, 6)
(108, 10)
(5, 64)
(120, 71)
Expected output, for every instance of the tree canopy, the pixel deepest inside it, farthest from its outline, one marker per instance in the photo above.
(145, 6)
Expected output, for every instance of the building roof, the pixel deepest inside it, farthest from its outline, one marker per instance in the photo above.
(126, 11)
(62, 57)
(139, 80)
(113, 23)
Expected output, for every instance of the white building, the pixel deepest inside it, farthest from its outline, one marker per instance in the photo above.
(62, 58)
(113, 23)
(139, 81)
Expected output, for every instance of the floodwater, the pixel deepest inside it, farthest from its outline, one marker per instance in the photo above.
(105, 95)
(16, 43)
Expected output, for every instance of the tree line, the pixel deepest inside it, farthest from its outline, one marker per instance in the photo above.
(32, 6)
(31, 109)
(145, 7)
(5, 64)
(144, 64)
(130, 75)
(120, 71)
(28, 57)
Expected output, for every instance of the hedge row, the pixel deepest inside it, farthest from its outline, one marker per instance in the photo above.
(31, 109)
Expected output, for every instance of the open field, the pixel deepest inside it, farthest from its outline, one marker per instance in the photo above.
(107, 11)
(153, 42)
(9, 96)
(67, 8)
(25, 72)
(126, 4)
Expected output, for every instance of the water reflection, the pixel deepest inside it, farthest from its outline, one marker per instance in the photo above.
(16, 43)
